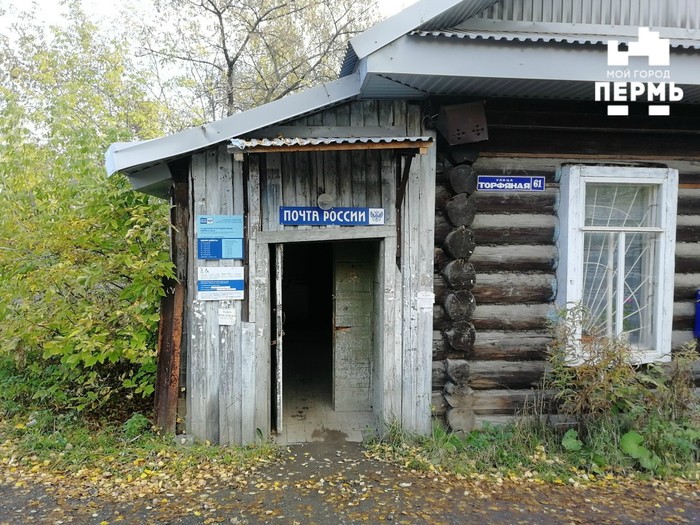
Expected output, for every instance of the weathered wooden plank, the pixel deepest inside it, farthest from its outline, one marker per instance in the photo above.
(393, 385)
(425, 178)
(687, 257)
(248, 380)
(279, 265)
(689, 201)
(512, 317)
(514, 288)
(372, 157)
(491, 402)
(212, 204)
(409, 360)
(514, 229)
(573, 143)
(388, 188)
(291, 180)
(541, 202)
(343, 190)
(332, 234)
(273, 192)
(505, 374)
(685, 285)
(514, 346)
(253, 225)
(683, 315)
(196, 356)
(514, 258)
(170, 329)
(688, 228)
(230, 376)
(263, 372)
(225, 197)
(358, 161)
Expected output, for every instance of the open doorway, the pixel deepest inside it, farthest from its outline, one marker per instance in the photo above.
(326, 341)
(307, 298)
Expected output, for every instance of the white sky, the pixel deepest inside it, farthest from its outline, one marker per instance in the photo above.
(51, 10)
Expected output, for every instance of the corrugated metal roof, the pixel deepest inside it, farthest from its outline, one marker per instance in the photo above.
(424, 14)
(545, 37)
(244, 144)
(457, 14)
(497, 88)
(683, 14)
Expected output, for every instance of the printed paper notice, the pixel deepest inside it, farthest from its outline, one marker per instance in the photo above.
(220, 283)
(426, 300)
(227, 316)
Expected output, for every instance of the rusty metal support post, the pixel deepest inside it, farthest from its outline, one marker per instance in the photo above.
(172, 315)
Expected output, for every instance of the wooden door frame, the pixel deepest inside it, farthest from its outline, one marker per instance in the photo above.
(387, 394)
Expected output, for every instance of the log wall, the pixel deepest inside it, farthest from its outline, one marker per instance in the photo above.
(495, 282)
(495, 285)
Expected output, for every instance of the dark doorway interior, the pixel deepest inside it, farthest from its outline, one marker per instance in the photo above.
(307, 291)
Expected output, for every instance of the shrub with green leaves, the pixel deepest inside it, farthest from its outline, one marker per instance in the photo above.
(82, 257)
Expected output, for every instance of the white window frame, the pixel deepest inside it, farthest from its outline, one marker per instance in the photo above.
(571, 210)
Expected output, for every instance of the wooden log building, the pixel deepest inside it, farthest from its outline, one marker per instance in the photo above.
(390, 246)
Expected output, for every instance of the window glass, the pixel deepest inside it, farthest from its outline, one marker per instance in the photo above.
(621, 205)
(619, 284)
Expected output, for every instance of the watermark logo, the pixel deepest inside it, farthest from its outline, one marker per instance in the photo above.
(620, 92)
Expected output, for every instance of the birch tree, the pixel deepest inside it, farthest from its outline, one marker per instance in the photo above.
(225, 56)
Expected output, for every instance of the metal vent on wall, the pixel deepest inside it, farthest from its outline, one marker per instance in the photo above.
(463, 123)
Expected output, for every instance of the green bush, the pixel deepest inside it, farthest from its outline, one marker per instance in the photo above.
(627, 414)
(82, 256)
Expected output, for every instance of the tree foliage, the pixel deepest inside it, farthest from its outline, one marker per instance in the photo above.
(230, 55)
(81, 256)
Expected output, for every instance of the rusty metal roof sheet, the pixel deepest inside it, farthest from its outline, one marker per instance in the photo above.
(247, 144)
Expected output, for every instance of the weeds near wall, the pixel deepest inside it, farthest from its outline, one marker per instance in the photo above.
(627, 415)
(597, 415)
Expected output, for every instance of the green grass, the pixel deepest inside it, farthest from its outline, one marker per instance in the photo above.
(527, 449)
(69, 444)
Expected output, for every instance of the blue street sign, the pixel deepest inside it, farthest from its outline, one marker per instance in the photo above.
(509, 183)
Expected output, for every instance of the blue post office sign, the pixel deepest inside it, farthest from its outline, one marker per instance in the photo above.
(314, 216)
(219, 237)
(509, 183)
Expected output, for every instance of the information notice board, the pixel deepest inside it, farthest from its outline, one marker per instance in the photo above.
(219, 237)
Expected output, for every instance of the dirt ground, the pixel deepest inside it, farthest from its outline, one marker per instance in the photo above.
(338, 484)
